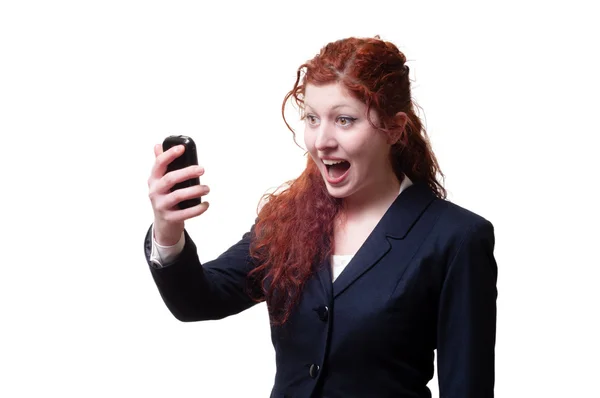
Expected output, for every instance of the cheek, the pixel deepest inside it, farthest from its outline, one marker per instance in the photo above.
(365, 147)
(309, 140)
(355, 149)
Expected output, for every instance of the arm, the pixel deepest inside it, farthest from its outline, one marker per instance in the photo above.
(467, 318)
(193, 291)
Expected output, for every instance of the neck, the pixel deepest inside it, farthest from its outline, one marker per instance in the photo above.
(373, 200)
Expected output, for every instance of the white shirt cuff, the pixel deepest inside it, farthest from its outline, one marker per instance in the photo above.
(163, 255)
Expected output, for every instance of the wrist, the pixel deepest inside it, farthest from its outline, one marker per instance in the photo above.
(167, 234)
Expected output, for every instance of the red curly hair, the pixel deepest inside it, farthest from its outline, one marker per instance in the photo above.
(294, 230)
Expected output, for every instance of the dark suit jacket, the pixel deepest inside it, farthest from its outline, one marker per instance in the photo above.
(424, 279)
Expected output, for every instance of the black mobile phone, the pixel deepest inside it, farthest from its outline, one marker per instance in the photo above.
(188, 158)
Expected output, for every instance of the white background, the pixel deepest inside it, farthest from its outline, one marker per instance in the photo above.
(510, 98)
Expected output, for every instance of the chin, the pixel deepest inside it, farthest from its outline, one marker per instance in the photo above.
(337, 192)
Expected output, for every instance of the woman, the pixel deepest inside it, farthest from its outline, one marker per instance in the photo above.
(365, 267)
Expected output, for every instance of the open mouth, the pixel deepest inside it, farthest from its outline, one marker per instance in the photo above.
(336, 168)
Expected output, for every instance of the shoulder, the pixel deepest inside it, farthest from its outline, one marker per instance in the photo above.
(458, 228)
(461, 241)
(454, 218)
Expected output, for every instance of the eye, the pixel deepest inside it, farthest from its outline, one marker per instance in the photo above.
(345, 121)
(312, 119)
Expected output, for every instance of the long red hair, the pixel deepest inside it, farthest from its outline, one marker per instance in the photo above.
(294, 230)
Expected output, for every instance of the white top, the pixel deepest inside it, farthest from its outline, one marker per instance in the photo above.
(338, 263)
(165, 254)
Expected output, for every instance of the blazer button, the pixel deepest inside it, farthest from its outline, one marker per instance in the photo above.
(322, 312)
(313, 371)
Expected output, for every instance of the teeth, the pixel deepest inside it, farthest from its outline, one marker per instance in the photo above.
(332, 162)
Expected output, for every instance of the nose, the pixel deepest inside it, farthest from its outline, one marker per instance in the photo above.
(325, 137)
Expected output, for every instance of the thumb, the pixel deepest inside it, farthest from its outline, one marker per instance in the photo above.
(157, 150)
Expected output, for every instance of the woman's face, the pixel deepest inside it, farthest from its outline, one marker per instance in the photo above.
(352, 156)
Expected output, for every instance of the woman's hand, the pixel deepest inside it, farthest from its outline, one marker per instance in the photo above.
(168, 218)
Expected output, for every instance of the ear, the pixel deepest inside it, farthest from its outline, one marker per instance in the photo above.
(400, 119)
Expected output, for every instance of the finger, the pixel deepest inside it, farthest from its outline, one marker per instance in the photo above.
(170, 179)
(179, 195)
(164, 158)
(186, 214)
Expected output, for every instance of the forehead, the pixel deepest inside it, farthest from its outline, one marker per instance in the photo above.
(329, 96)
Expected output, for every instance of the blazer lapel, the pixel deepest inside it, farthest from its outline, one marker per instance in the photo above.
(395, 223)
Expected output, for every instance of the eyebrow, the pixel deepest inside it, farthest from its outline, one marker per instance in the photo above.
(335, 106)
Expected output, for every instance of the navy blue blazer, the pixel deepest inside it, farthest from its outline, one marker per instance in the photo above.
(425, 279)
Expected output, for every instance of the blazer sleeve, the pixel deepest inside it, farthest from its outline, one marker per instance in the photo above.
(466, 334)
(195, 292)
